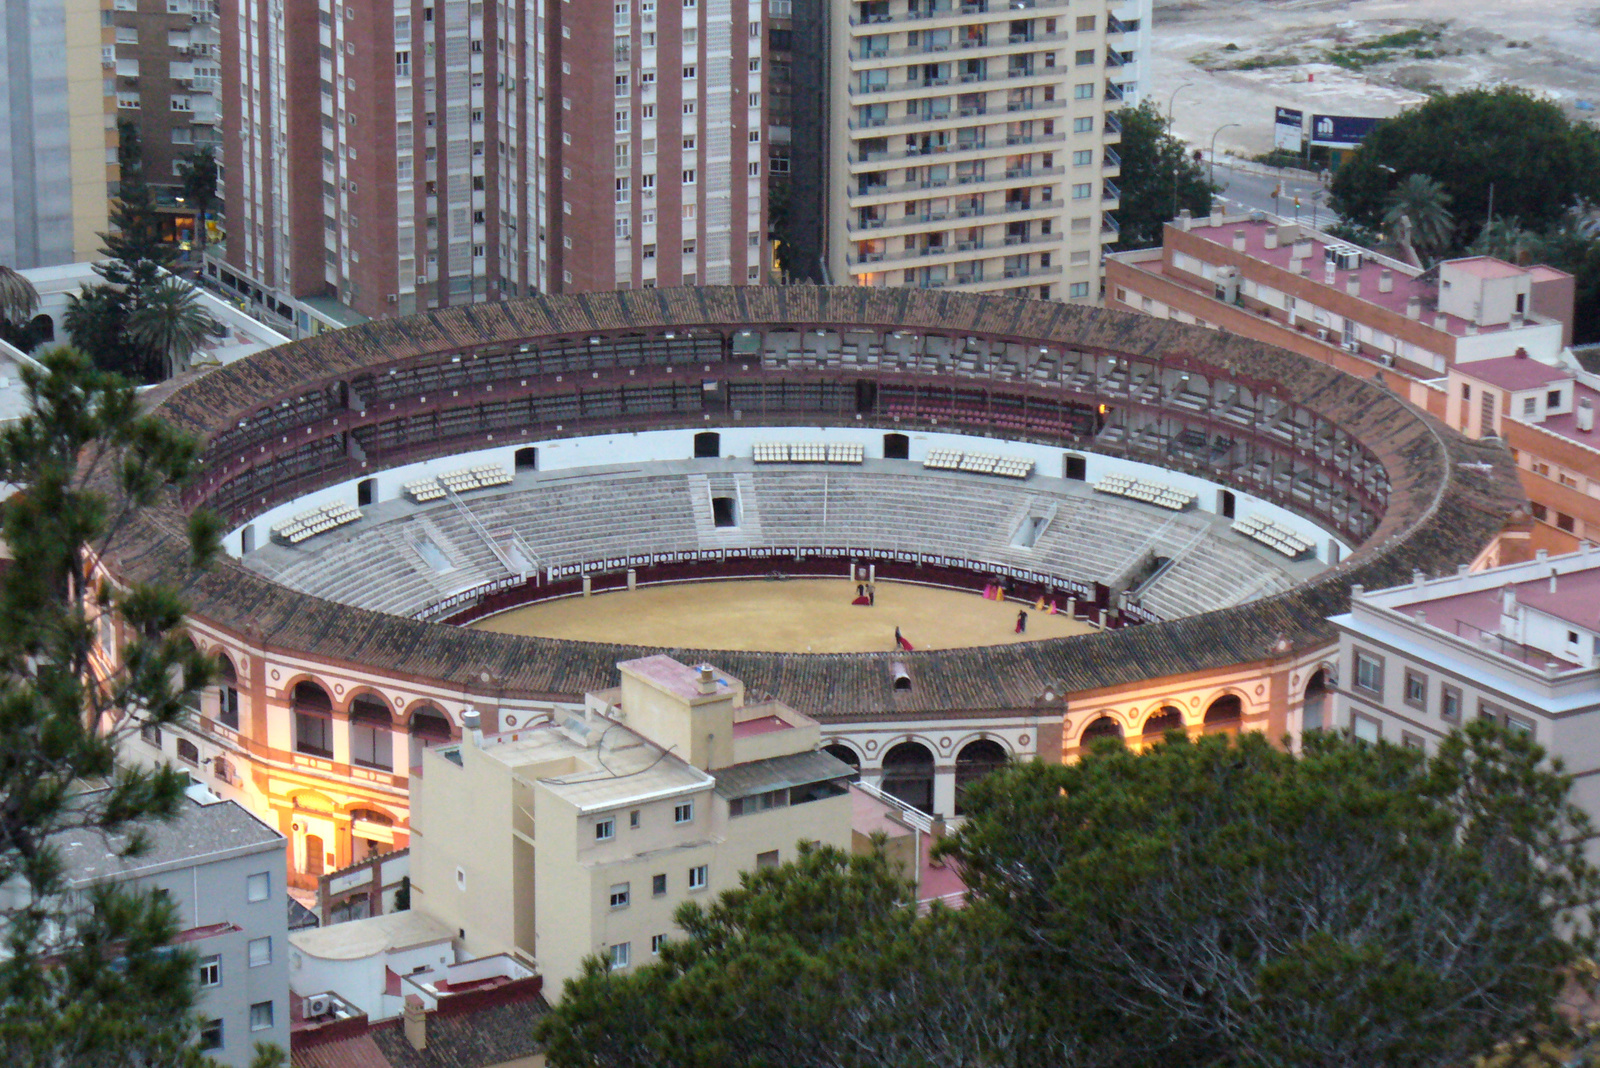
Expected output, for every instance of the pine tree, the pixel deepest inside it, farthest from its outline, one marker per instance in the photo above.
(87, 978)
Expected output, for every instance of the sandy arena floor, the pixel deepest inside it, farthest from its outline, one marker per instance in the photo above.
(793, 616)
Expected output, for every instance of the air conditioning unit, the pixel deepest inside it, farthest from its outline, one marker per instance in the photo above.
(319, 1005)
(393, 298)
(422, 279)
(1322, 334)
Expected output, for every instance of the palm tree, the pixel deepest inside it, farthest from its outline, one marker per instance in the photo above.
(170, 324)
(19, 301)
(1418, 214)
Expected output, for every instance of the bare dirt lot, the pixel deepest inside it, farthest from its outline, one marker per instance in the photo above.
(1361, 57)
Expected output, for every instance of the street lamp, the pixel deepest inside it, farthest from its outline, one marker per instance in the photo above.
(1173, 99)
(1230, 125)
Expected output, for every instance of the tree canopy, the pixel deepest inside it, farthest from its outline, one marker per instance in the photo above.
(1158, 178)
(1539, 163)
(1211, 902)
(88, 975)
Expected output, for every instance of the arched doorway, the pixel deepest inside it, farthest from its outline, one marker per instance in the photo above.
(1104, 727)
(227, 692)
(1164, 719)
(371, 735)
(313, 720)
(1224, 715)
(908, 775)
(1316, 693)
(976, 760)
(429, 727)
(844, 753)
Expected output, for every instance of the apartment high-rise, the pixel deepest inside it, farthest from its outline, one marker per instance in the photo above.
(973, 141)
(58, 139)
(401, 155)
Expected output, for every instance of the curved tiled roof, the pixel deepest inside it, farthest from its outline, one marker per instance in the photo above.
(1448, 497)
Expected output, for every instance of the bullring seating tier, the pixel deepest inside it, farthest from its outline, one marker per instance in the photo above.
(600, 513)
(314, 521)
(1273, 536)
(467, 478)
(978, 463)
(1139, 489)
(808, 452)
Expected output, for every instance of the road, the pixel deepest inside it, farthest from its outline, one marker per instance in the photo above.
(1250, 191)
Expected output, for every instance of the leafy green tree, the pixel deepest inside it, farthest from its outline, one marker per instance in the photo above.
(1159, 178)
(200, 176)
(87, 978)
(19, 301)
(821, 962)
(1538, 162)
(135, 254)
(1417, 213)
(1566, 248)
(1234, 904)
(97, 322)
(170, 322)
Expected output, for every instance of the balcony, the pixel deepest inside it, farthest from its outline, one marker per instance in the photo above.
(1114, 93)
(1109, 224)
(1113, 161)
(1110, 192)
(1113, 126)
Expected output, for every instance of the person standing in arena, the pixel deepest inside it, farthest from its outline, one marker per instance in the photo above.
(1022, 622)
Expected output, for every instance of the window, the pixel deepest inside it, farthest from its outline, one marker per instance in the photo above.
(1082, 190)
(699, 875)
(688, 107)
(605, 830)
(688, 144)
(690, 73)
(1084, 124)
(1450, 704)
(688, 248)
(623, 187)
(211, 971)
(684, 813)
(211, 1034)
(688, 176)
(648, 253)
(1083, 92)
(1553, 399)
(621, 13)
(1365, 728)
(755, 170)
(261, 1016)
(402, 64)
(647, 78)
(621, 955)
(658, 885)
(647, 182)
(313, 734)
(621, 84)
(1083, 157)
(1086, 23)
(619, 896)
(1416, 694)
(1078, 289)
(768, 859)
(633, 817)
(258, 887)
(188, 752)
(656, 942)
(1369, 673)
(1530, 406)
(260, 951)
(129, 101)
(150, 734)
(621, 122)
(647, 111)
(755, 100)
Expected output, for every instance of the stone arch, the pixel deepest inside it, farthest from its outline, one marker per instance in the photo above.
(427, 725)
(426, 705)
(287, 689)
(1224, 713)
(360, 804)
(311, 708)
(908, 768)
(1314, 699)
(371, 693)
(1161, 720)
(844, 752)
(974, 761)
(1105, 725)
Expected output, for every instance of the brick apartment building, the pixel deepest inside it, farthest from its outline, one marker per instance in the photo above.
(1290, 285)
(394, 158)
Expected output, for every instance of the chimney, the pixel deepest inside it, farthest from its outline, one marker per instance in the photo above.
(1216, 215)
(1552, 580)
(1386, 281)
(707, 683)
(1585, 414)
(1271, 239)
(1508, 601)
(1440, 322)
(416, 1023)
(1185, 220)
(1328, 276)
(1352, 284)
(472, 727)
(1302, 247)
(1240, 239)
(1413, 307)
(1472, 328)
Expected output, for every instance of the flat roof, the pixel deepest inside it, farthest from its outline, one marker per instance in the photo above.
(1408, 282)
(779, 773)
(359, 939)
(1514, 372)
(199, 833)
(620, 766)
(1575, 600)
(1487, 267)
(674, 677)
(760, 725)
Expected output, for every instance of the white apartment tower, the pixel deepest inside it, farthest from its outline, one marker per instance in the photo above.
(973, 141)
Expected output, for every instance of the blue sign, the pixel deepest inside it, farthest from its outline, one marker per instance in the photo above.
(1340, 131)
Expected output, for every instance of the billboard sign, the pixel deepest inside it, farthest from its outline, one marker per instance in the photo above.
(1288, 129)
(1340, 131)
